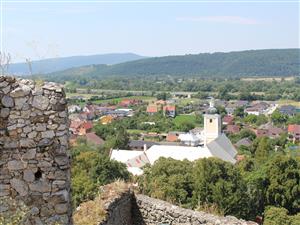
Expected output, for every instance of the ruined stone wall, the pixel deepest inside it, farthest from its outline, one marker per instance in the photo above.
(34, 157)
(119, 210)
(150, 211)
(136, 209)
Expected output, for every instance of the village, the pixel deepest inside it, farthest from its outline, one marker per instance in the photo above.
(178, 123)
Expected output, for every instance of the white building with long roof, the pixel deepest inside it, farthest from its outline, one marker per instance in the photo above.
(216, 144)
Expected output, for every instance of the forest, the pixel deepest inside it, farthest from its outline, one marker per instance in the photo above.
(273, 62)
(227, 89)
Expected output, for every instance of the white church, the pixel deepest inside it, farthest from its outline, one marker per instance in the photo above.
(215, 144)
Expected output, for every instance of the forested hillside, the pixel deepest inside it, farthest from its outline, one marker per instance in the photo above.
(63, 63)
(275, 62)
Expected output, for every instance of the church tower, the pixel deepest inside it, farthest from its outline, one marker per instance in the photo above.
(212, 124)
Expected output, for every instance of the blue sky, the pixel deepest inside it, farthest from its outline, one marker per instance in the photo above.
(45, 30)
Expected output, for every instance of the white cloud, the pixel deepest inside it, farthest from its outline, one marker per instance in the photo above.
(220, 19)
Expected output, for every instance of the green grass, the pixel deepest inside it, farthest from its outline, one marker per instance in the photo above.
(115, 100)
(135, 131)
(185, 118)
(185, 101)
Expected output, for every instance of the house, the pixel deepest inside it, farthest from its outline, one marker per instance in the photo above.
(258, 108)
(141, 145)
(269, 130)
(87, 115)
(189, 139)
(152, 109)
(243, 142)
(220, 148)
(129, 102)
(288, 110)
(227, 120)
(160, 102)
(231, 106)
(261, 132)
(275, 132)
(172, 136)
(134, 160)
(216, 144)
(74, 109)
(294, 132)
(94, 139)
(85, 128)
(232, 129)
(74, 126)
(124, 112)
(88, 108)
(106, 119)
(169, 110)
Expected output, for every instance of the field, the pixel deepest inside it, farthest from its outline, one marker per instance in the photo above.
(180, 119)
(117, 100)
(288, 102)
(270, 79)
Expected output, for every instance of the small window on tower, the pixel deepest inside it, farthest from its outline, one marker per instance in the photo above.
(210, 120)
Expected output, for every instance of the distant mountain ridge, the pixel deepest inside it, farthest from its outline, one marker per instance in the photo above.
(57, 64)
(270, 62)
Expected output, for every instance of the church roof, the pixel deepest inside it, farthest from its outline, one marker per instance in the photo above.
(177, 152)
(222, 148)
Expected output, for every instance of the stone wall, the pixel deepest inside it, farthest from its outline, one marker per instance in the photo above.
(119, 210)
(136, 209)
(150, 211)
(34, 157)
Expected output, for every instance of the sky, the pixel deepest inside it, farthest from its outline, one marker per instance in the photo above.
(46, 30)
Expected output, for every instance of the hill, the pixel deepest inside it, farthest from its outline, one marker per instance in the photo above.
(58, 64)
(272, 62)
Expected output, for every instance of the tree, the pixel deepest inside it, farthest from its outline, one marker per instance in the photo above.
(246, 133)
(251, 118)
(261, 119)
(105, 171)
(90, 170)
(121, 139)
(263, 149)
(283, 174)
(162, 96)
(279, 215)
(218, 182)
(278, 118)
(239, 112)
(275, 216)
(168, 179)
(186, 126)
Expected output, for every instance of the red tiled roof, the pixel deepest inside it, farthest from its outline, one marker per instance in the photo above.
(261, 132)
(294, 128)
(75, 124)
(92, 137)
(233, 128)
(228, 119)
(169, 108)
(160, 102)
(87, 125)
(152, 109)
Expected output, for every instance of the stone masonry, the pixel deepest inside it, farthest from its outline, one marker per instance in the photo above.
(34, 156)
(129, 208)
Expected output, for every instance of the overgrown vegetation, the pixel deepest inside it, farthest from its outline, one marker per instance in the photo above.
(265, 178)
(91, 169)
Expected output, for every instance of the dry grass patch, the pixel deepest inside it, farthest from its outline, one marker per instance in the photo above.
(93, 212)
